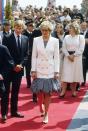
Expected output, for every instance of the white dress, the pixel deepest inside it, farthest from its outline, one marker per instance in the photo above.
(45, 62)
(73, 71)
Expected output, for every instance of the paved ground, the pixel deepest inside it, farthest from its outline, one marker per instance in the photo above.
(80, 119)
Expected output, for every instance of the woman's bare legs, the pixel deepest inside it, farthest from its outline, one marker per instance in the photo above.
(63, 89)
(44, 101)
(41, 102)
(73, 88)
(47, 99)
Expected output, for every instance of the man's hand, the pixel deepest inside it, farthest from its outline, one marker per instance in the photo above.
(1, 77)
(18, 68)
(56, 75)
(34, 75)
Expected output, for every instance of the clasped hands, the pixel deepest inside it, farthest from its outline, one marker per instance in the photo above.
(34, 75)
(18, 68)
(71, 58)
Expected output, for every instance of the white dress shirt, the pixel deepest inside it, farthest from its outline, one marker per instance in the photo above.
(16, 37)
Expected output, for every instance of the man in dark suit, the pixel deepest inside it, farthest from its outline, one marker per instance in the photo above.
(18, 46)
(84, 31)
(6, 29)
(31, 33)
(6, 65)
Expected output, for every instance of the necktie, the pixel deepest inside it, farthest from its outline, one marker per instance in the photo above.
(7, 33)
(19, 44)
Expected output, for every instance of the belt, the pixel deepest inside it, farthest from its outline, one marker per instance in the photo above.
(71, 52)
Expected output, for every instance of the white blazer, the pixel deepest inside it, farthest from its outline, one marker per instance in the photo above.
(45, 60)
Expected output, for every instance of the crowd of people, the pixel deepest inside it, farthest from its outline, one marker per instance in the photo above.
(52, 45)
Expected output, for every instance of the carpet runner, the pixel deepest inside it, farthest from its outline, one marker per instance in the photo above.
(61, 112)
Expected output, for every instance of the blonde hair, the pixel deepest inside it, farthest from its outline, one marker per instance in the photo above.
(46, 25)
(75, 26)
(19, 23)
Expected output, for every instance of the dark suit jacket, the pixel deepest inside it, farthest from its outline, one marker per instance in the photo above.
(6, 65)
(85, 53)
(31, 36)
(6, 61)
(11, 44)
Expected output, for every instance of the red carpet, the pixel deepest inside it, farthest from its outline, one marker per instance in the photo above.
(60, 113)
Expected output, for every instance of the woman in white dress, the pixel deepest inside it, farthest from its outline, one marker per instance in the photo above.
(73, 47)
(45, 67)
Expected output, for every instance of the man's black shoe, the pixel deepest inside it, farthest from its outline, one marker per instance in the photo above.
(83, 84)
(35, 100)
(78, 89)
(17, 115)
(34, 97)
(4, 118)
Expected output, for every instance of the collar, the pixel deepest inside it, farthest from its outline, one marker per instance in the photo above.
(30, 32)
(16, 35)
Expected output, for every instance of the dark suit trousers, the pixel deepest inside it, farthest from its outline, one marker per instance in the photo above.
(28, 76)
(13, 80)
(85, 68)
(2, 88)
(28, 70)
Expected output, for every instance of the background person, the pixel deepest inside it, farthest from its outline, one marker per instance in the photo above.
(73, 47)
(6, 29)
(31, 33)
(84, 32)
(59, 34)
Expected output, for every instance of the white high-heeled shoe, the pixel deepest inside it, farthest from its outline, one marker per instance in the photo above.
(45, 119)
